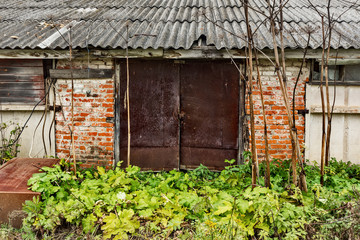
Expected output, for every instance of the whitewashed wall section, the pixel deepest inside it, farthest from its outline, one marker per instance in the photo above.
(31, 144)
(345, 137)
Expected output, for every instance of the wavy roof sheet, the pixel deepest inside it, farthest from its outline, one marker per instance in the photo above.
(168, 23)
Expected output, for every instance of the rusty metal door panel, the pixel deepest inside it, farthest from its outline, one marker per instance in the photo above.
(210, 113)
(154, 104)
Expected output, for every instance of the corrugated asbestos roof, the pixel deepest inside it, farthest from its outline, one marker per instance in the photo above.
(167, 23)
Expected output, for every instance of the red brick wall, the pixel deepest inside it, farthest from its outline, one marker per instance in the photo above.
(277, 120)
(93, 103)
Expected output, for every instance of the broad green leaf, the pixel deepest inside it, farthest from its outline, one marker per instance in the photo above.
(101, 170)
(242, 205)
(223, 207)
(88, 223)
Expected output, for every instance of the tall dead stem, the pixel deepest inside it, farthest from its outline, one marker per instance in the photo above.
(293, 130)
(284, 79)
(72, 102)
(255, 166)
(128, 96)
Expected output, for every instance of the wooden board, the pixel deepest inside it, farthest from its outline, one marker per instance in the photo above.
(21, 81)
(81, 73)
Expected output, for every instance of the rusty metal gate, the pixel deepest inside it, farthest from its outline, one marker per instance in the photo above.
(182, 113)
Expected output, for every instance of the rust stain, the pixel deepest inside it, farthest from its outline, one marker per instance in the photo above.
(172, 53)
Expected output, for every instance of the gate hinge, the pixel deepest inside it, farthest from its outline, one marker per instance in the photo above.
(303, 111)
(110, 119)
(57, 108)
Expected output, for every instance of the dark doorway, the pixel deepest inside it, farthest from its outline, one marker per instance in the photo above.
(182, 114)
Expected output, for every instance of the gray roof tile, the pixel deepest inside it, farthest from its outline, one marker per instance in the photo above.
(166, 23)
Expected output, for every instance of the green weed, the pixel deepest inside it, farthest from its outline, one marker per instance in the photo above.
(198, 204)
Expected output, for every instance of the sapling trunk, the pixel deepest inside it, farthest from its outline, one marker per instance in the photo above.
(294, 173)
(267, 159)
(329, 117)
(72, 103)
(323, 133)
(328, 110)
(333, 102)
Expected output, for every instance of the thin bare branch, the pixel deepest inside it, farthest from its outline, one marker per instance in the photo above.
(242, 38)
(128, 98)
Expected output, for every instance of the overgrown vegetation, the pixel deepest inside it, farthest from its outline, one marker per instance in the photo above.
(199, 204)
(9, 132)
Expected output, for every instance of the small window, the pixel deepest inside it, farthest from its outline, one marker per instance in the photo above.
(21, 81)
(352, 73)
(339, 74)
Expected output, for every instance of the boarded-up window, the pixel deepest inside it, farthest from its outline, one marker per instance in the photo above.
(21, 81)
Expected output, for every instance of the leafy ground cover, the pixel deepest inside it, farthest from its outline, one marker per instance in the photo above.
(198, 204)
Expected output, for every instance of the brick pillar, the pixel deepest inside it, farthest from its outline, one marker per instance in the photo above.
(277, 120)
(93, 104)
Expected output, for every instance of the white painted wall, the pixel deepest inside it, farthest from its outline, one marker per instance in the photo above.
(345, 137)
(31, 144)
